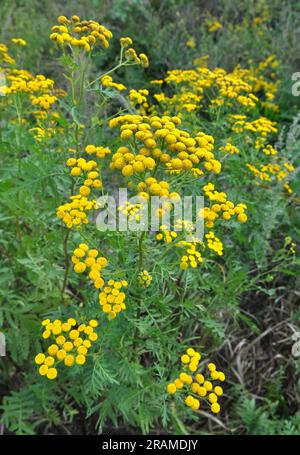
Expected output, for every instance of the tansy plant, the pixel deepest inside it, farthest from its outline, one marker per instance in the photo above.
(110, 135)
(155, 155)
(106, 300)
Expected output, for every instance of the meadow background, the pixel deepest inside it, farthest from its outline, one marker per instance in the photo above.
(241, 309)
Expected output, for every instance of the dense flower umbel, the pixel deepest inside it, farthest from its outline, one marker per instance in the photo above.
(193, 250)
(74, 213)
(196, 249)
(82, 34)
(87, 259)
(220, 206)
(193, 254)
(194, 385)
(71, 341)
(112, 298)
(99, 151)
(152, 187)
(157, 141)
(89, 169)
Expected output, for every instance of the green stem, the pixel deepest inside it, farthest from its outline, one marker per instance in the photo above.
(67, 265)
(139, 304)
(141, 239)
(105, 74)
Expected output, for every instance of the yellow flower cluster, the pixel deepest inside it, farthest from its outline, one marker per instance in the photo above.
(214, 243)
(250, 100)
(233, 89)
(262, 83)
(191, 85)
(131, 56)
(73, 213)
(99, 151)
(229, 148)
(262, 127)
(82, 34)
(21, 81)
(112, 298)
(165, 235)
(43, 101)
(129, 163)
(193, 256)
(71, 342)
(152, 187)
(4, 55)
(125, 42)
(269, 150)
(270, 171)
(36, 90)
(80, 166)
(107, 81)
(139, 97)
(41, 134)
(221, 207)
(194, 250)
(194, 383)
(185, 101)
(19, 41)
(159, 141)
(144, 279)
(84, 258)
(257, 132)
